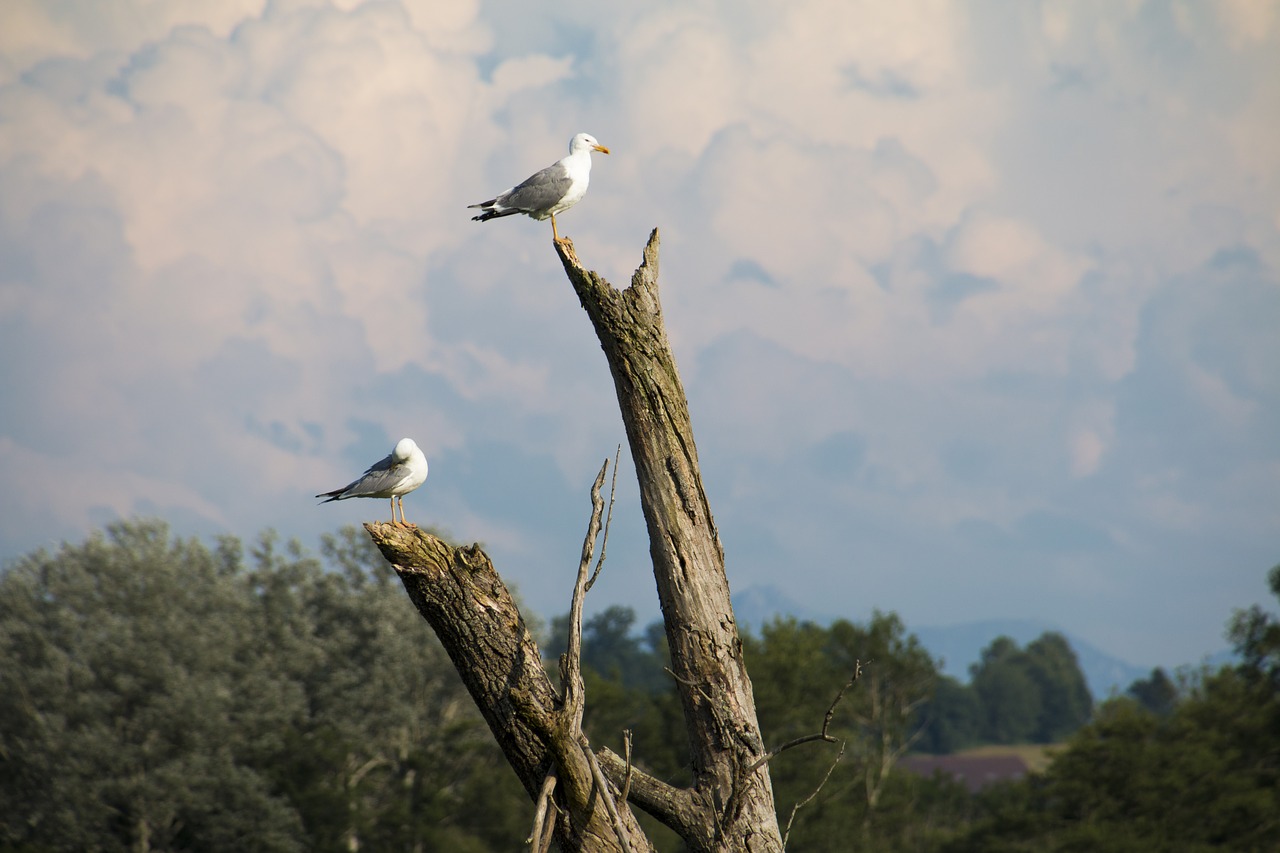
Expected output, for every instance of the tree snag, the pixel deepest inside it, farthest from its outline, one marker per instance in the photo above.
(730, 804)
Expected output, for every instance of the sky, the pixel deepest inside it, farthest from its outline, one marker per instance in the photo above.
(977, 305)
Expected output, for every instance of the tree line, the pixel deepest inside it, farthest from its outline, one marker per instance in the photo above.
(157, 694)
(160, 694)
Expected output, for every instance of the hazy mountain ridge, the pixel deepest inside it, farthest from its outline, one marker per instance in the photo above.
(961, 645)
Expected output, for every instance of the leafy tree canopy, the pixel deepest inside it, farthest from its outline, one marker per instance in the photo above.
(157, 694)
(1154, 771)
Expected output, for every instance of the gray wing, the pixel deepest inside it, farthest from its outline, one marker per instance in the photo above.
(377, 480)
(381, 475)
(539, 191)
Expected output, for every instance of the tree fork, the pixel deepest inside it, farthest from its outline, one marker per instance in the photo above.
(730, 806)
(732, 790)
(461, 596)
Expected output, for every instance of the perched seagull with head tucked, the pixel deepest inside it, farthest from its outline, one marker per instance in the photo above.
(394, 476)
(553, 190)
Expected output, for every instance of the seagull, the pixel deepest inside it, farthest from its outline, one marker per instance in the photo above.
(553, 190)
(394, 476)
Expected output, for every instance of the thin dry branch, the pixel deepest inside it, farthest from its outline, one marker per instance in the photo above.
(571, 660)
(787, 833)
(822, 735)
(368, 766)
(602, 785)
(674, 806)
(626, 748)
(540, 813)
(689, 683)
(548, 833)
(608, 520)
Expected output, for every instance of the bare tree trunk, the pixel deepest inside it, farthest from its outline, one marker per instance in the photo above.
(736, 808)
(730, 805)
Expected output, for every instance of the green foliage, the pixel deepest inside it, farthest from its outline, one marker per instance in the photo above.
(628, 689)
(1007, 694)
(1202, 773)
(953, 720)
(797, 668)
(1256, 637)
(155, 694)
(1032, 695)
(1157, 692)
(611, 648)
(1065, 701)
(900, 702)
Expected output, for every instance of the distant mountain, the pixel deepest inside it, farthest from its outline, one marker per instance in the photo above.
(958, 645)
(961, 645)
(756, 605)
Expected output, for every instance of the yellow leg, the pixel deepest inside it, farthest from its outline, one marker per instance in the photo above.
(393, 509)
(554, 233)
(402, 521)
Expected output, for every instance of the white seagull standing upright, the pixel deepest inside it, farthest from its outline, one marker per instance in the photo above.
(394, 476)
(553, 190)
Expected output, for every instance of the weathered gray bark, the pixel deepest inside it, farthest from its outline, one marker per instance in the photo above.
(734, 810)
(730, 805)
(460, 594)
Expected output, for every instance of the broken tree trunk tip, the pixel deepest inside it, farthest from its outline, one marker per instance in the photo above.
(387, 527)
(414, 550)
(649, 258)
(569, 255)
(564, 248)
(385, 530)
(395, 535)
(384, 534)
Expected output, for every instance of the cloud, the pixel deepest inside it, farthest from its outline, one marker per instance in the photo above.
(974, 307)
(35, 30)
(1248, 23)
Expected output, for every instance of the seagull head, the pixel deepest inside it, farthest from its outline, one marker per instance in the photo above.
(586, 142)
(404, 449)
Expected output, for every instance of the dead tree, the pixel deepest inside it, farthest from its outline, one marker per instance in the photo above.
(729, 806)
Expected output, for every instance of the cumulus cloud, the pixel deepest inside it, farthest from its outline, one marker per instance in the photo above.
(973, 305)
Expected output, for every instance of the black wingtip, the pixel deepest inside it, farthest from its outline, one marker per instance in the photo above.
(494, 214)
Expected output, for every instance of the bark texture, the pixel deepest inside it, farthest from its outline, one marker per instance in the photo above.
(460, 594)
(730, 805)
(732, 809)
